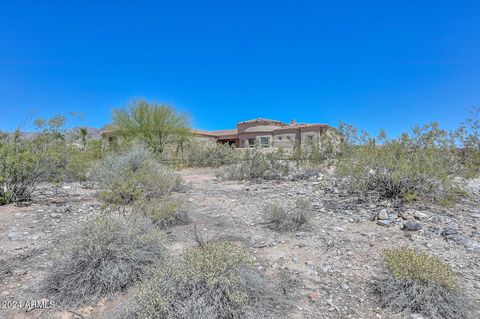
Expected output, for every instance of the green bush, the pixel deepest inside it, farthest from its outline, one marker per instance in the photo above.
(21, 168)
(134, 174)
(419, 283)
(421, 165)
(26, 162)
(164, 212)
(45, 157)
(80, 161)
(211, 154)
(216, 280)
(406, 263)
(468, 135)
(257, 164)
(102, 257)
(322, 149)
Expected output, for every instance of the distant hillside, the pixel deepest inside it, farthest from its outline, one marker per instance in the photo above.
(71, 135)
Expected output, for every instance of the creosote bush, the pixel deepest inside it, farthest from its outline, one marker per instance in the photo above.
(44, 157)
(131, 175)
(216, 280)
(256, 165)
(211, 154)
(419, 283)
(280, 219)
(164, 212)
(417, 166)
(105, 255)
(26, 162)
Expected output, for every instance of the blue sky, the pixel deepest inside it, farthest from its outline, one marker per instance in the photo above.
(373, 64)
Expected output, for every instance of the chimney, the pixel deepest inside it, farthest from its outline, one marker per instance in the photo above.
(293, 122)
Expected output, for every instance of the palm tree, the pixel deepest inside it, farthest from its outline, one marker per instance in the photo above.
(158, 125)
(82, 134)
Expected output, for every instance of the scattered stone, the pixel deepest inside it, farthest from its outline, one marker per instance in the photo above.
(419, 215)
(403, 215)
(19, 272)
(63, 209)
(13, 234)
(412, 226)
(383, 215)
(313, 297)
(448, 231)
(385, 223)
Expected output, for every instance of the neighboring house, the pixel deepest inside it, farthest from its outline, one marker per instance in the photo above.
(269, 133)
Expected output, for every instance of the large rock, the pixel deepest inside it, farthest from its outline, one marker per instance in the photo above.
(412, 226)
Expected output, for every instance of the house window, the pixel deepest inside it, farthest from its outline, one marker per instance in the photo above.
(265, 141)
(279, 138)
(310, 138)
(251, 142)
(289, 138)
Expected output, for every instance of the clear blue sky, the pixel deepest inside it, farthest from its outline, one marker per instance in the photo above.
(374, 64)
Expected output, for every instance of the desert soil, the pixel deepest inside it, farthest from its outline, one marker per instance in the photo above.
(336, 258)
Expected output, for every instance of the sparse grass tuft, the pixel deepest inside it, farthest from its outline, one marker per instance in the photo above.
(419, 283)
(278, 218)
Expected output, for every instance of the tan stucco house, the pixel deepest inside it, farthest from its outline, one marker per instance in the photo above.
(268, 133)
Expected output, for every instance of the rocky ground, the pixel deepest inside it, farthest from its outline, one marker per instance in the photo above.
(336, 258)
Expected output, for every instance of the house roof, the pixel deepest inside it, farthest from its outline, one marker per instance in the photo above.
(217, 133)
(261, 121)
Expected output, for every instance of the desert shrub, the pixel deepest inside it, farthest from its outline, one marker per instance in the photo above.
(131, 175)
(80, 161)
(164, 212)
(322, 149)
(280, 219)
(419, 283)
(211, 154)
(45, 156)
(102, 257)
(421, 165)
(21, 168)
(468, 135)
(256, 165)
(216, 280)
(24, 162)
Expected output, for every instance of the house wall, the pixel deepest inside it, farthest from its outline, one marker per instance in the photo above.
(286, 139)
(255, 131)
(304, 136)
(244, 137)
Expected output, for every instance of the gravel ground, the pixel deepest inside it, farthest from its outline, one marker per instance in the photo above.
(336, 257)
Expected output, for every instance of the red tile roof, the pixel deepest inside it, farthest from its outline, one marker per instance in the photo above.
(261, 120)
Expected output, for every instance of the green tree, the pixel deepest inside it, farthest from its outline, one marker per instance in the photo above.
(158, 125)
(82, 134)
